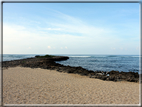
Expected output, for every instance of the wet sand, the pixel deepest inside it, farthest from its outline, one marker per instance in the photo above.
(41, 86)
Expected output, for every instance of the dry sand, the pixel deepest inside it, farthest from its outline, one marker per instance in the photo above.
(39, 86)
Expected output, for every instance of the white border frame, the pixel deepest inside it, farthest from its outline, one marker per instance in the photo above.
(72, 1)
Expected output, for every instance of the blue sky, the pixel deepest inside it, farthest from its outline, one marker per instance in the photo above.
(71, 28)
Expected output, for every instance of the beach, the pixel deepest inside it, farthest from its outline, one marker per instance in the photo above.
(22, 85)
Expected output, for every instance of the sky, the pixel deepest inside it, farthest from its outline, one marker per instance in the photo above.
(71, 28)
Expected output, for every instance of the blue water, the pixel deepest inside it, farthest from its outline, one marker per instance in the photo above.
(9, 57)
(124, 63)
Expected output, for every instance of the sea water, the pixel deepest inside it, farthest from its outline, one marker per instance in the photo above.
(124, 63)
(9, 57)
(120, 63)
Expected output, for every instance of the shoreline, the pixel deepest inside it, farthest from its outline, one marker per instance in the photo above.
(41, 86)
(50, 64)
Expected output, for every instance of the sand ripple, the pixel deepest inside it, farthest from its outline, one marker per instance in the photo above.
(40, 86)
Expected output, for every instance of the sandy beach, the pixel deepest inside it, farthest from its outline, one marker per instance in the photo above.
(41, 86)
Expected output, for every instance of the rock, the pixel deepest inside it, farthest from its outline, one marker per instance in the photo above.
(103, 77)
(37, 56)
(69, 71)
(90, 76)
(107, 79)
(111, 78)
(99, 73)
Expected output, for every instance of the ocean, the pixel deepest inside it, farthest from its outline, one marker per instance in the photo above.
(123, 63)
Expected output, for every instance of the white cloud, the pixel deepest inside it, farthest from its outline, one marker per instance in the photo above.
(52, 29)
(113, 48)
(17, 41)
(29, 48)
(121, 48)
(74, 33)
(76, 26)
(49, 47)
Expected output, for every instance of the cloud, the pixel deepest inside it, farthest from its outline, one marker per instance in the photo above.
(49, 47)
(121, 48)
(75, 26)
(17, 41)
(75, 33)
(83, 30)
(52, 29)
(29, 48)
(113, 48)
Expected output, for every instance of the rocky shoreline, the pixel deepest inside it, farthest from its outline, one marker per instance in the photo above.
(49, 63)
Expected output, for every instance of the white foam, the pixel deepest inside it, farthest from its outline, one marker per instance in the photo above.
(79, 56)
(99, 56)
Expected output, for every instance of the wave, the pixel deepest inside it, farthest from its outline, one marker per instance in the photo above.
(123, 56)
(113, 56)
(99, 56)
(136, 56)
(105, 56)
(79, 56)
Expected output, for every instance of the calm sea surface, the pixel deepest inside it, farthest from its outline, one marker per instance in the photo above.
(124, 63)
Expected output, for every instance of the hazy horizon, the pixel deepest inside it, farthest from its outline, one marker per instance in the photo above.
(73, 54)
